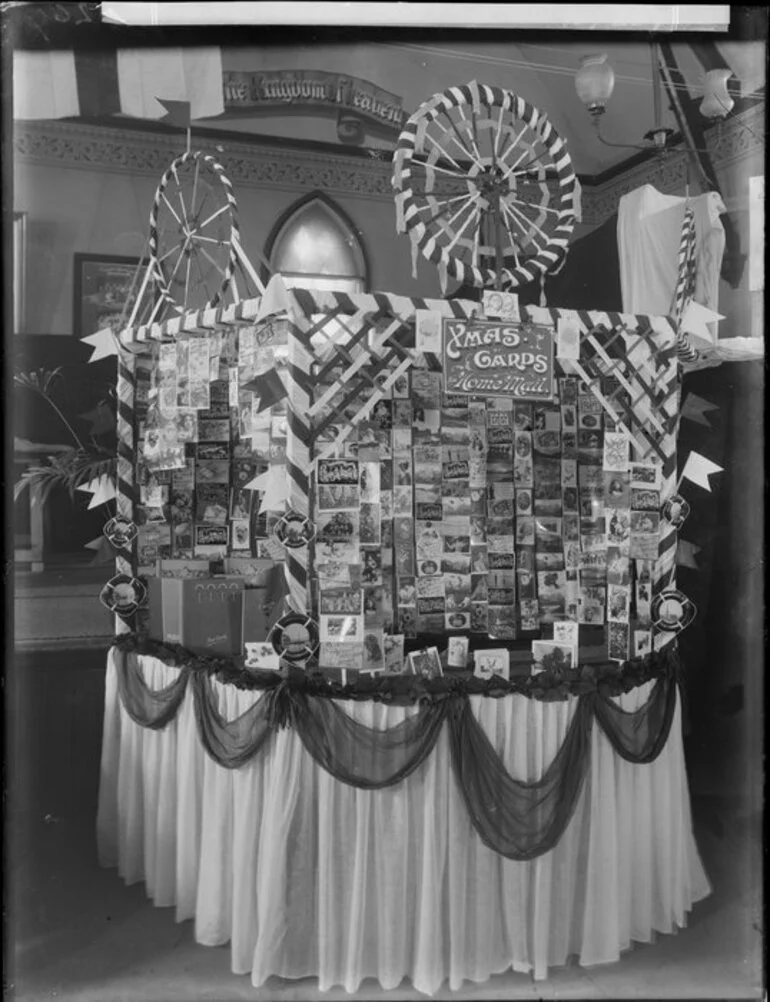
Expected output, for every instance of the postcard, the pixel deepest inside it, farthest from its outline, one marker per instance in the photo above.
(426, 663)
(618, 641)
(371, 565)
(334, 574)
(241, 534)
(617, 491)
(429, 541)
(261, 655)
(616, 452)
(479, 617)
(642, 643)
(345, 656)
(457, 651)
(618, 603)
(548, 655)
(211, 503)
(342, 629)
(479, 559)
(212, 471)
(644, 499)
(619, 528)
(567, 632)
(645, 475)
(393, 653)
(492, 661)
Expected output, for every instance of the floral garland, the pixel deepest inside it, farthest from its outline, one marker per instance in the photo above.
(607, 678)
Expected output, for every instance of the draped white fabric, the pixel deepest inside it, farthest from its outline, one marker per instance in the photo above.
(306, 876)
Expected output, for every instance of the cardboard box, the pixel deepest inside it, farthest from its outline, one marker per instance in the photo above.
(203, 615)
(256, 615)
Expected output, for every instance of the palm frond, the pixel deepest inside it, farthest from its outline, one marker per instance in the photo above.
(39, 380)
(70, 470)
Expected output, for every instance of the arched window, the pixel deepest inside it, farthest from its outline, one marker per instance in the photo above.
(315, 246)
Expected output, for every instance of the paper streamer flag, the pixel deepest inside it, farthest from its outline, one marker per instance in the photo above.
(101, 417)
(698, 469)
(686, 553)
(268, 387)
(695, 409)
(178, 113)
(101, 488)
(103, 342)
(102, 549)
(696, 320)
(275, 299)
(273, 487)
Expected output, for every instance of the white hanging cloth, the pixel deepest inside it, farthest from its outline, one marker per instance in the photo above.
(649, 231)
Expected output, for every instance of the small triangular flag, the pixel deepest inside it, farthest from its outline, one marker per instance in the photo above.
(275, 299)
(696, 319)
(686, 553)
(102, 418)
(695, 408)
(101, 488)
(102, 549)
(697, 469)
(178, 113)
(268, 387)
(103, 342)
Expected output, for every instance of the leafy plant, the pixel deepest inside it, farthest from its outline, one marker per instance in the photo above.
(92, 453)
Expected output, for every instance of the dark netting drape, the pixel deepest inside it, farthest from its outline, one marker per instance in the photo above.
(638, 735)
(516, 819)
(363, 756)
(230, 743)
(147, 707)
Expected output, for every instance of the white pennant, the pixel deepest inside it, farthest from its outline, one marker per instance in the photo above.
(103, 342)
(275, 298)
(686, 553)
(101, 488)
(698, 469)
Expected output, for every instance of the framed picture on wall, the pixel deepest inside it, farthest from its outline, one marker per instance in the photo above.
(106, 287)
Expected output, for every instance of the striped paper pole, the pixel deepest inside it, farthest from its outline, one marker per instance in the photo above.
(126, 457)
(666, 565)
(298, 442)
(685, 285)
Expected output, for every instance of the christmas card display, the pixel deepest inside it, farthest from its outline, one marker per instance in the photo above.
(426, 477)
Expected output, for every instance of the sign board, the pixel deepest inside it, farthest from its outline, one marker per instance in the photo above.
(495, 358)
(252, 91)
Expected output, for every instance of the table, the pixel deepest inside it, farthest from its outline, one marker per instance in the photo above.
(306, 876)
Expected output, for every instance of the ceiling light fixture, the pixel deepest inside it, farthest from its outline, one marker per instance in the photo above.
(595, 81)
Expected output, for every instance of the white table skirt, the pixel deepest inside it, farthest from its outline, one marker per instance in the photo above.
(306, 876)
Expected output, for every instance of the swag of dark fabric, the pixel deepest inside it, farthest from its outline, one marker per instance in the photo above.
(516, 819)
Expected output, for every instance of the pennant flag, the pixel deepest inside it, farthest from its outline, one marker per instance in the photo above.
(102, 549)
(178, 113)
(103, 342)
(697, 469)
(275, 298)
(102, 418)
(686, 553)
(696, 319)
(268, 387)
(101, 488)
(149, 83)
(273, 486)
(695, 408)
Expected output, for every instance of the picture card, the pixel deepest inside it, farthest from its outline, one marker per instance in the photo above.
(493, 661)
(426, 663)
(548, 655)
(427, 326)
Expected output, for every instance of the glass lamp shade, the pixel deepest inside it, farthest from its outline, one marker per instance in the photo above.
(716, 101)
(594, 82)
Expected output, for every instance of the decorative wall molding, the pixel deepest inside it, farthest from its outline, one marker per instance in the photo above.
(89, 147)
